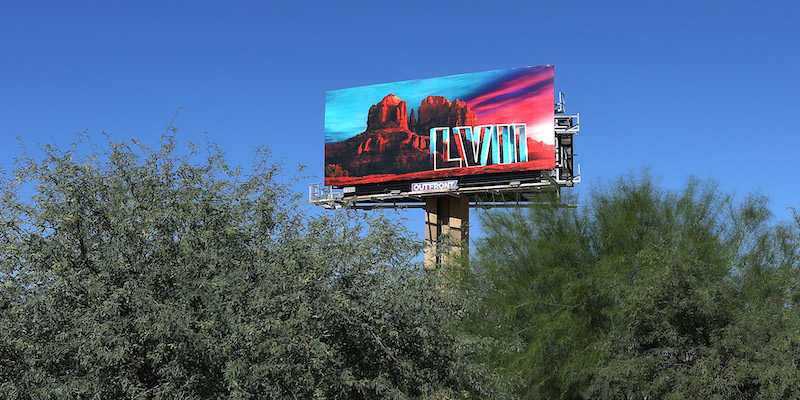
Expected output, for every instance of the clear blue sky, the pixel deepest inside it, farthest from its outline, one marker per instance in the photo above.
(684, 87)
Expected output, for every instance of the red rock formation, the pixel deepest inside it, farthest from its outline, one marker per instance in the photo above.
(540, 151)
(385, 151)
(386, 147)
(437, 111)
(389, 145)
(389, 113)
(433, 108)
(461, 115)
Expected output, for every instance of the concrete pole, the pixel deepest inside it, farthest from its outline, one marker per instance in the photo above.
(446, 229)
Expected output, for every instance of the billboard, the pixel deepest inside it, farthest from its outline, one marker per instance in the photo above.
(440, 128)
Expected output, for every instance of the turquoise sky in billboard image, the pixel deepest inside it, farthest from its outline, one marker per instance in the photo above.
(682, 87)
(352, 105)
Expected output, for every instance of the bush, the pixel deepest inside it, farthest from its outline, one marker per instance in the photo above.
(135, 272)
(642, 293)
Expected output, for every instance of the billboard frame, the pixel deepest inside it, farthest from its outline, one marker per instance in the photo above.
(470, 125)
(446, 202)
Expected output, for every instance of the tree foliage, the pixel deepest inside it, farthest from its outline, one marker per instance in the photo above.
(153, 273)
(643, 293)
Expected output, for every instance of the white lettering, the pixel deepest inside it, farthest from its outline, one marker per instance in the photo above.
(433, 186)
(467, 146)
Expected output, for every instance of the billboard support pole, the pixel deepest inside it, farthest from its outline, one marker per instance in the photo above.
(446, 229)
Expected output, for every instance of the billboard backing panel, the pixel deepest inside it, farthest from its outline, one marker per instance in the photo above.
(470, 124)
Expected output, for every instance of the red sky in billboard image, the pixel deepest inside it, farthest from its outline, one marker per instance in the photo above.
(382, 133)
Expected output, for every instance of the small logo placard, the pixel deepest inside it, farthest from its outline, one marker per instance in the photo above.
(434, 186)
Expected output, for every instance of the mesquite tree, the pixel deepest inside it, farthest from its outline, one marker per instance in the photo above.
(139, 272)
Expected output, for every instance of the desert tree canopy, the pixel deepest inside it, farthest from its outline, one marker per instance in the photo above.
(642, 292)
(129, 271)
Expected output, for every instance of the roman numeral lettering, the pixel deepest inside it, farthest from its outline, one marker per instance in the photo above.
(467, 146)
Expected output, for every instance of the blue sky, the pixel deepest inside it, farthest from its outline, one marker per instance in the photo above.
(682, 87)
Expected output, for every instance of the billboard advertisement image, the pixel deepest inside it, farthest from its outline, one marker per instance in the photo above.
(440, 128)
